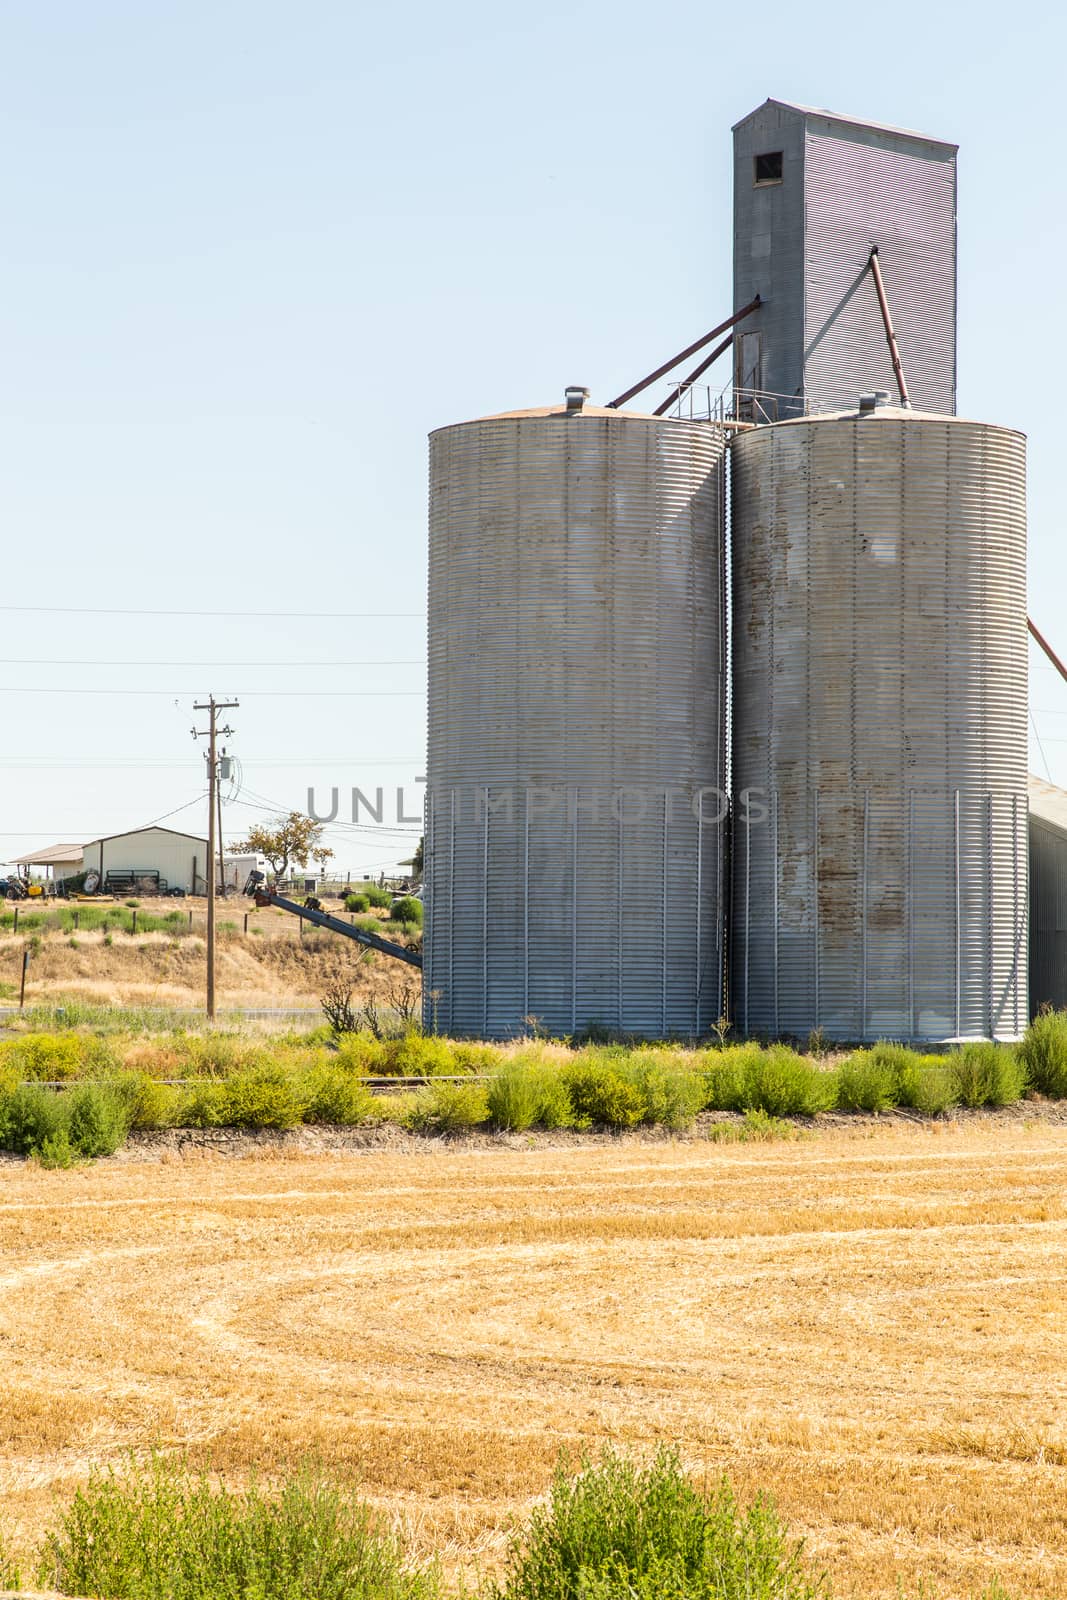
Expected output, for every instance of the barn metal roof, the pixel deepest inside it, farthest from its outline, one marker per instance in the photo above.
(56, 855)
(1048, 803)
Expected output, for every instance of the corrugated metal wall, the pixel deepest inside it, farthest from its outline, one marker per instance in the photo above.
(1048, 916)
(866, 188)
(769, 255)
(880, 676)
(575, 711)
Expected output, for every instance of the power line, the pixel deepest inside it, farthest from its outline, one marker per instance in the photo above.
(143, 611)
(257, 694)
(236, 666)
(153, 764)
(259, 802)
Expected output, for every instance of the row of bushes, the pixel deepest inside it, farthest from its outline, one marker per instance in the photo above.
(58, 1057)
(615, 1528)
(737, 1077)
(605, 1087)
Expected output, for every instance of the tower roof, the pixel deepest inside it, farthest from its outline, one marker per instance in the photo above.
(851, 122)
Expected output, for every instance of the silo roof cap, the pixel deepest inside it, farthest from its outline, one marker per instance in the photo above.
(561, 411)
(880, 413)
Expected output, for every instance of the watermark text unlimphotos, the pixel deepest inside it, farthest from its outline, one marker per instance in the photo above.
(536, 802)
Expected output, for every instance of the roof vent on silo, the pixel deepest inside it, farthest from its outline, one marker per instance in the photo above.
(873, 401)
(576, 397)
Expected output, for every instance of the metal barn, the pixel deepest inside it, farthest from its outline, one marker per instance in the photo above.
(179, 858)
(1048, 895)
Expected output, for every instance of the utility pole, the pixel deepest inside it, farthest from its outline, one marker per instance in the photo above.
(212, 707)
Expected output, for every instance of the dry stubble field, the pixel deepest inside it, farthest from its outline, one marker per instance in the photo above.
(871, 1327)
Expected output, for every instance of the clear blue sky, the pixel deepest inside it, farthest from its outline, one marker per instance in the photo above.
(252, 253)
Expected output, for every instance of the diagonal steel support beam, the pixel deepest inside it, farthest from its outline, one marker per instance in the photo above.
(683, 355)
(890, 335)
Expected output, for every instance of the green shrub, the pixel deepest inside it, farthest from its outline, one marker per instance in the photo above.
(600, 1095)
(360, 1053)
(619, 1531)
(987, 1074)
(526, 1092)
(55, 1057)
(415, 1055)
(1044, 1053)
(159, 1532)
(10, 1577)
(866, 1083)
(483, 1058)
(927, 1084)
(56, 1153)
(147, 1102)
(513, 1097)
(336, 1096)
(775, 1080)
(671, 1092)
(724, 1073)
(407, 910)
(218, 1055)
(377, 897)
(448, 1108)
(97, 1122)
(29, 1116)
(357, 902)
(203, 1105)
(265, 1097)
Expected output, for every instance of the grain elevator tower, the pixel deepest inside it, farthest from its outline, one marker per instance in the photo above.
(814, 193)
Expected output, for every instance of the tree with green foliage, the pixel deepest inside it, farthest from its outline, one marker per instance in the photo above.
(288, 843)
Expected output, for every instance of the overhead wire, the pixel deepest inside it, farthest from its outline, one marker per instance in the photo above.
(147, 611)
(235, 666)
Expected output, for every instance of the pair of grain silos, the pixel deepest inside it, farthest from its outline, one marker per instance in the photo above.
(802, 804)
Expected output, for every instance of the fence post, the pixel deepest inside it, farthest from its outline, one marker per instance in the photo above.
(134, 927)
(75, 921)
(190, 921)
(15, 929)
(22, 986)
(246, 921)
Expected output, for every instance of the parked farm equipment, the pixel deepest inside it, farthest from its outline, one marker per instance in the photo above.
(311, 911)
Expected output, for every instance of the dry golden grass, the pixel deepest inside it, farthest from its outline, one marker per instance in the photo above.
(874, 1329)
(269, 967)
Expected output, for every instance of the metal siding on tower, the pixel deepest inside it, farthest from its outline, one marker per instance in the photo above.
(575, 709)
(880, 679)
(769, 255)
(865, 188)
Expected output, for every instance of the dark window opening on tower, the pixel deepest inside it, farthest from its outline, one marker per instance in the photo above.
(769, 167)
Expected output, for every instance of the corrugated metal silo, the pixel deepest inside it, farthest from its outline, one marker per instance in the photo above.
(880, 678)
(575, 724)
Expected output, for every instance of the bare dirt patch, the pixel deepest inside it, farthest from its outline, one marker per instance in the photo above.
(872, 1327)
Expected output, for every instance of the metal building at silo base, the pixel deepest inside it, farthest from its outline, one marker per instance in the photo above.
(880, 702)
(574, 840)
(1048, 895)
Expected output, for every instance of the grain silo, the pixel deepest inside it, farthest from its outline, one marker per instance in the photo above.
(880, 680)
(576, 715)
